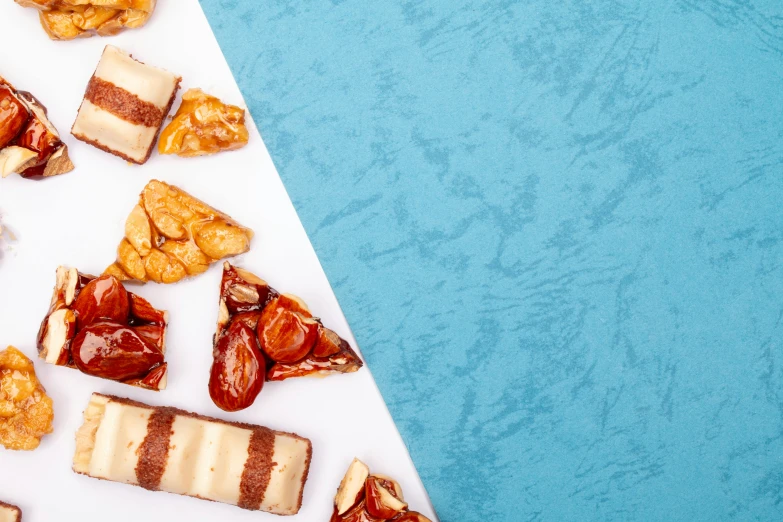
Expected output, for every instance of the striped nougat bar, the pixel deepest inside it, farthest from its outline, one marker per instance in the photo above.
(125, 105)
(166, 449)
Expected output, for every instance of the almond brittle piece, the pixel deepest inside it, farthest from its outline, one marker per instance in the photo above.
(263, 335)
(29, 143)
(26, 412)
(203, 125)
(171, 235)
(69, 19)
(96, 326)
(363, 497)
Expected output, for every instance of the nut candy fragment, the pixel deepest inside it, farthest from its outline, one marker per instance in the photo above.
(171, 235)
(96, 326)
(203, 125)
(362, 497)
(69, 19)
(266, 336)
(26, 412)
(166, 449)
(125, 105)
(29, 143)
(9, 513)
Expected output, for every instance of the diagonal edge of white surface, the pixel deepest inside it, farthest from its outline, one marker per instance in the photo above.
(77, 219)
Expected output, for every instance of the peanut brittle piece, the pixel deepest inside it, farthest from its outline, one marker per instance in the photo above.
(203, 125)
(171, 235)
(26, 412)
(263, 335)
(69, 19)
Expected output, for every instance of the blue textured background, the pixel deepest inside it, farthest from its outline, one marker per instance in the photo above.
(556, 230)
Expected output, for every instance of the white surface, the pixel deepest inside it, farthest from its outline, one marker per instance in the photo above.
(77, 219)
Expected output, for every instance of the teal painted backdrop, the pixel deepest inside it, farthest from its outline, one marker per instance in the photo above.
(556, 230)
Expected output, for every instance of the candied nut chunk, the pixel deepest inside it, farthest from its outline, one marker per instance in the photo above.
(96, 326)
(69, 19)
(29, 143)
(261, 331)
(171, 235)
(362, 497)
(26, 412)
(203, 125)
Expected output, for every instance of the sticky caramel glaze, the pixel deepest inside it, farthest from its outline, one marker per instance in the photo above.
(13, 115)
(203, 125)
(36, 137)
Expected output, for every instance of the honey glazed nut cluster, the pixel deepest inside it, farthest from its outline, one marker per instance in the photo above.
(170, 235)
(69, 19)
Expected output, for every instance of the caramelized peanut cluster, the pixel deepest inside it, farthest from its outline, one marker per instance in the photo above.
(98, 327)
(362, 497)
(258, 328)
(69, 19)
(203, 125)
(26, 412)
(170, 235)
(29, 143)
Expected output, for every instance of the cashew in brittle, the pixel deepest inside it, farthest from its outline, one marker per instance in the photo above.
(170, 235)
(69, 19)
(138, 231)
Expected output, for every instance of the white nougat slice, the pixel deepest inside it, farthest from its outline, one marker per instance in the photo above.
(171, 450)
(9, 513)
(125, 105)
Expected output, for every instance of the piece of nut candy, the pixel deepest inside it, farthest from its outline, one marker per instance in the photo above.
(167, 449)
(171, 235)
(124, 106)
(203, 125)
(69, 19)
(96, 326)
(29, 143)
(9, 513)
(26, 412)
(263, 335)
(362, 496)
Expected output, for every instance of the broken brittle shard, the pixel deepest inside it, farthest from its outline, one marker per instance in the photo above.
(364, 497)
(125, 105)
(26, 412)
(69, 19)
(29, 143)
(96, 326)
(171, 235)
(203, 125)
(263, 335)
